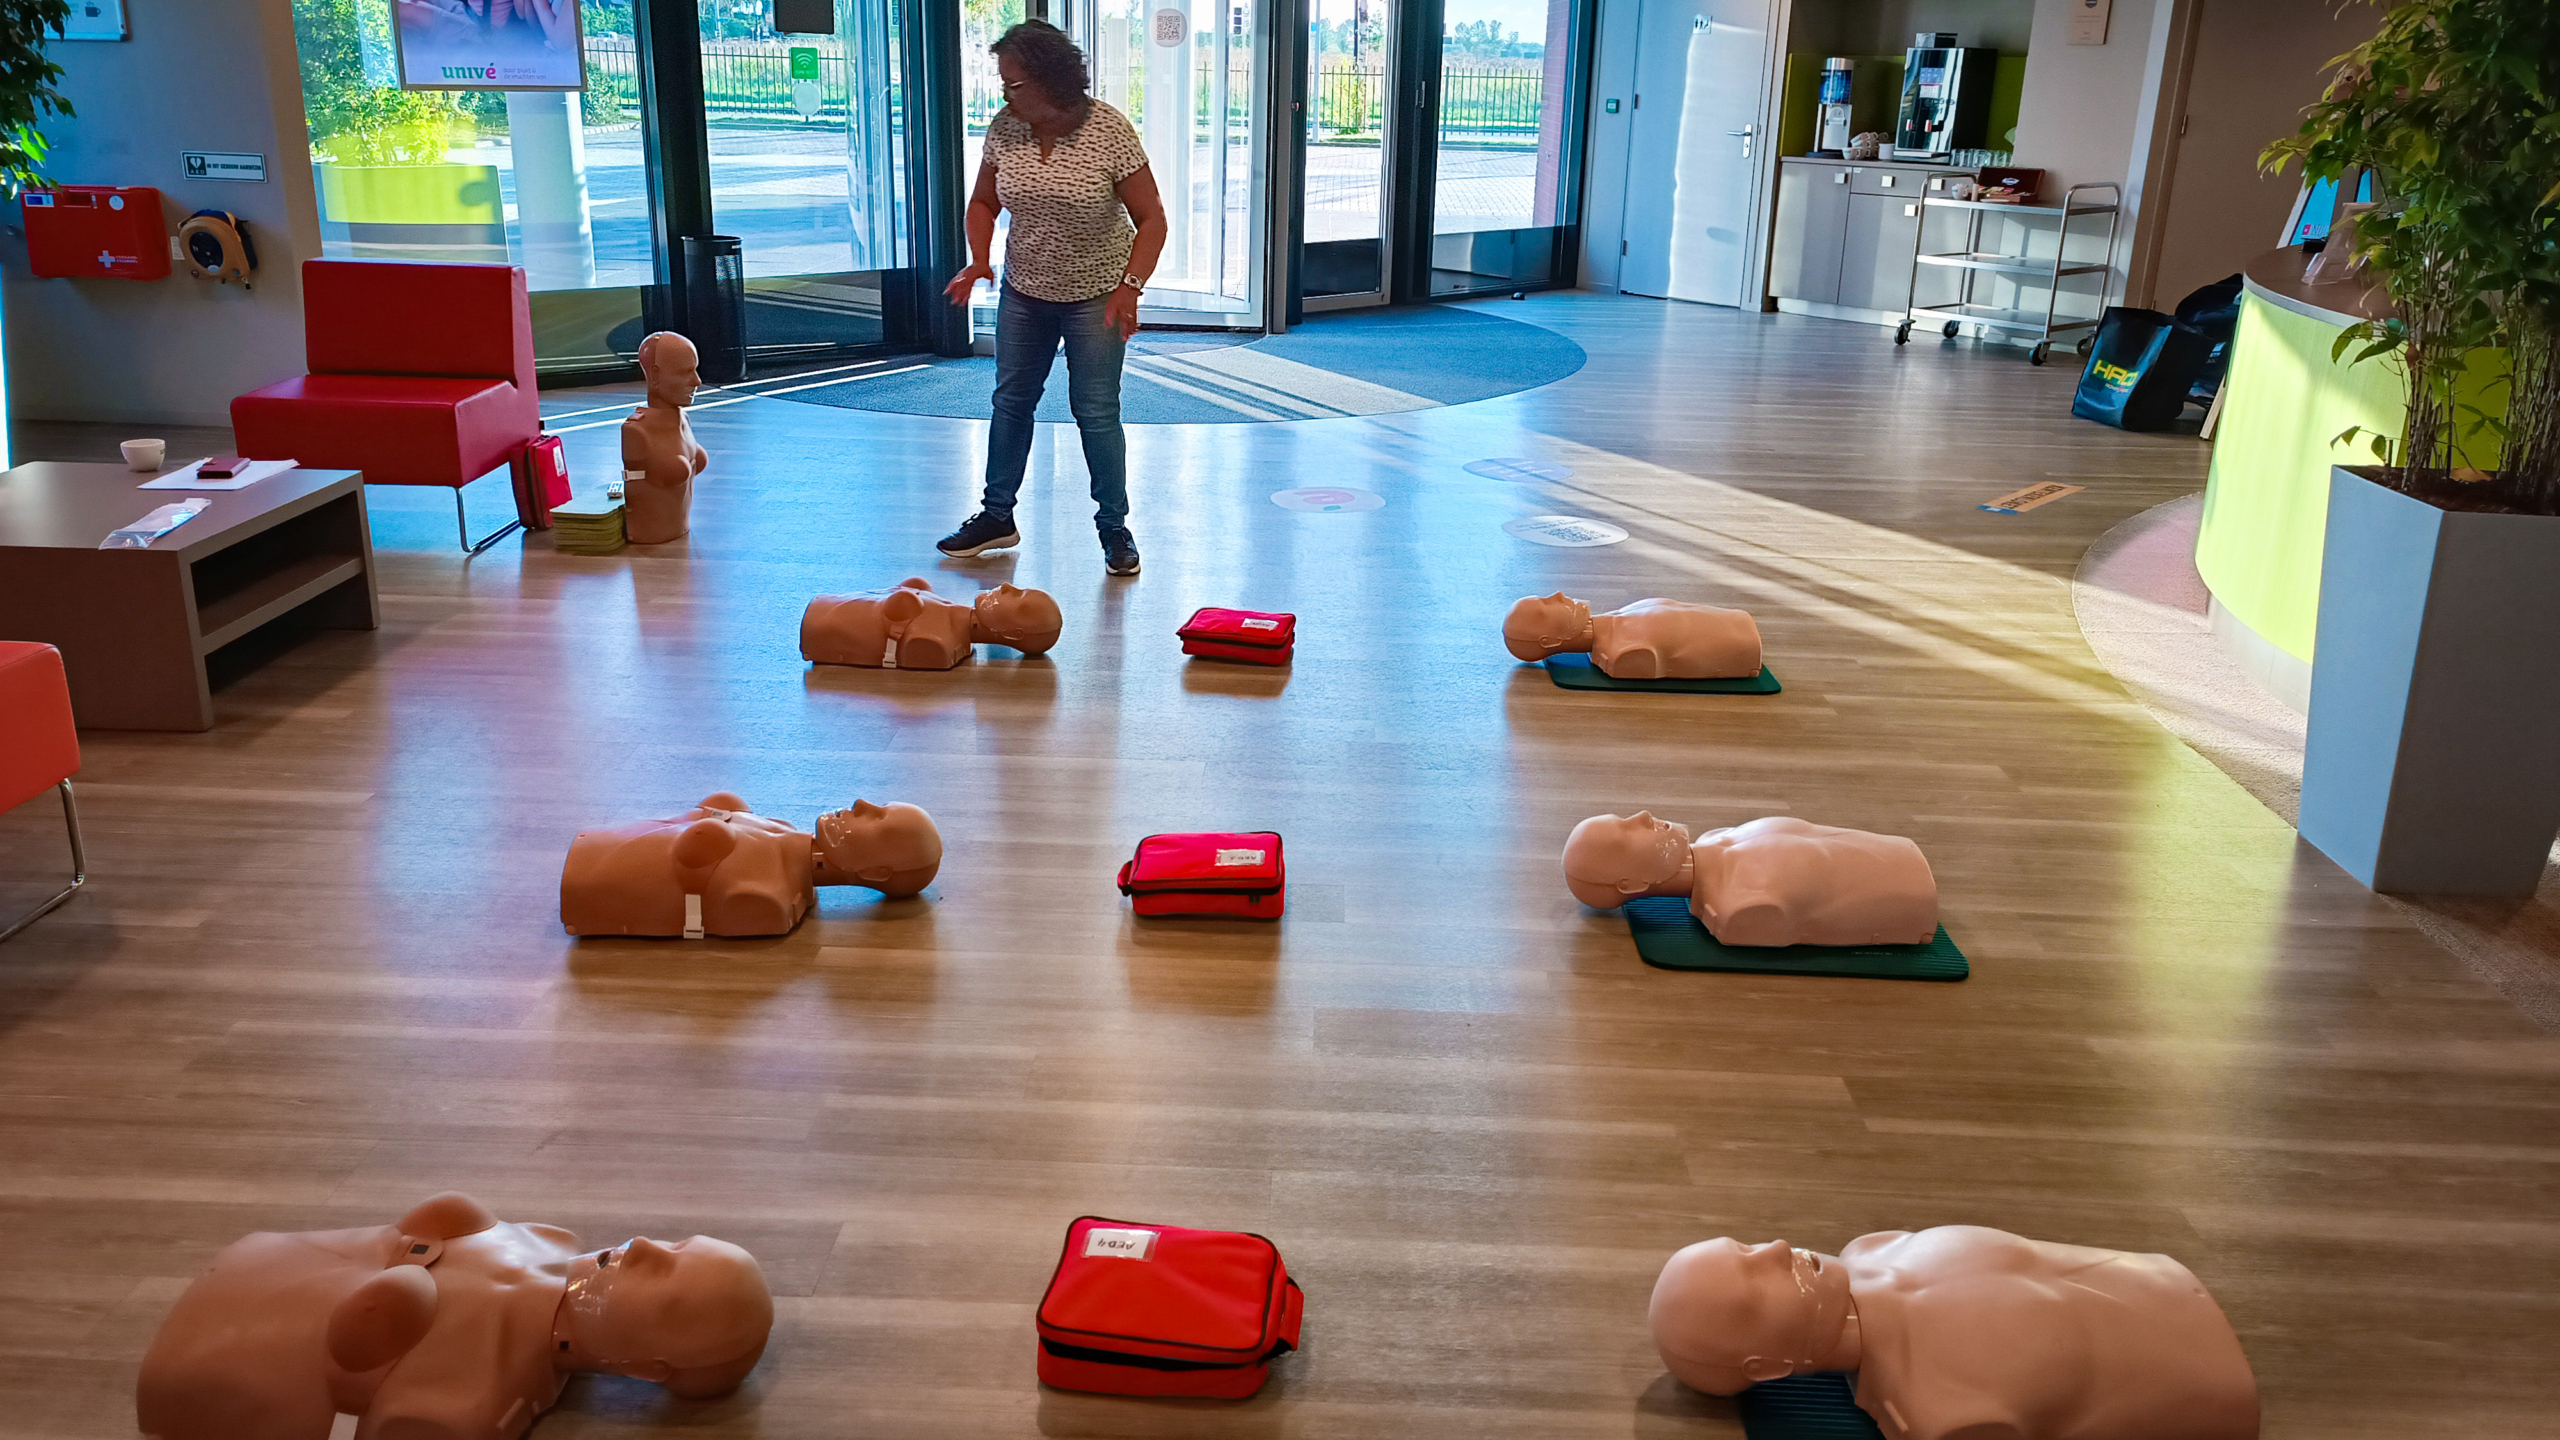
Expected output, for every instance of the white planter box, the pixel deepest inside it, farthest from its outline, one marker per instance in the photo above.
(2433, 765)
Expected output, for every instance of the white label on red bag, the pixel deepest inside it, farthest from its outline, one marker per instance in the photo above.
(1261, 624)
(1120, 1244)
(1240, 857)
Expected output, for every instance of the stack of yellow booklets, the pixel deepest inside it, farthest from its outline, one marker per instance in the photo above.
(587, 525)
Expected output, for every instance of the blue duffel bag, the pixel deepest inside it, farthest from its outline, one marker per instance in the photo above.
(2140, 370)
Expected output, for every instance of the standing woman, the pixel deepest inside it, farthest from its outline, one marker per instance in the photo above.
(1073, 173)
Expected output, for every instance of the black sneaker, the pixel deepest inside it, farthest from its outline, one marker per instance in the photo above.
(1119, 551)
(984, 531)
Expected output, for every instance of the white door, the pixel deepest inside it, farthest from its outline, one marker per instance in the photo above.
(1699, 69)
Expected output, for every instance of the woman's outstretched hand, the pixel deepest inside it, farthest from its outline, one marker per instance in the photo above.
(957, 292)
(1120, 312)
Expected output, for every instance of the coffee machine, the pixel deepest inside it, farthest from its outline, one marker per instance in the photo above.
(1946, 97)
(1833, 126)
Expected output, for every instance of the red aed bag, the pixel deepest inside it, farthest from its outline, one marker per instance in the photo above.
(543, 483)
(1251, 636)
(1231, 874)
(1161, 1310)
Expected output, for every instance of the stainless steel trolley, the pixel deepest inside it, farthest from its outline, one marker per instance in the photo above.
(2016, 327)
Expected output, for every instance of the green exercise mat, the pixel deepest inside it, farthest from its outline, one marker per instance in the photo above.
(1804, 1407)
(1576, 672)
(1670, 938)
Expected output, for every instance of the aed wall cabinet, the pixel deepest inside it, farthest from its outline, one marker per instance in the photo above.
(95, 232)
(1846, 235)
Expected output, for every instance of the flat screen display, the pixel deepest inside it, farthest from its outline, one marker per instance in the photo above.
(489, 44)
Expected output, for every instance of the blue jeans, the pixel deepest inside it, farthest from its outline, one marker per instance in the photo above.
(1027, 336)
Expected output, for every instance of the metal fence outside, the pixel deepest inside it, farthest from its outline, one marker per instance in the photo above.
(1488, 104)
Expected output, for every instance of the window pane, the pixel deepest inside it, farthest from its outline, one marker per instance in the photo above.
(807, 158)
(1503, 91)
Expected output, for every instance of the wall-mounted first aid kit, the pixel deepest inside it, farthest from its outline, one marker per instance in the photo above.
(94, 232)
(1164, 1310)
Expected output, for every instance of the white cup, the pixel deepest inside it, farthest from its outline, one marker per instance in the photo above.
(145, 454)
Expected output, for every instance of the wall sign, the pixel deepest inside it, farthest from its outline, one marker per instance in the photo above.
(2089, 21)
(1172, 27)
(462, 45)
(224, 165)
(94, 20)
(806, 95)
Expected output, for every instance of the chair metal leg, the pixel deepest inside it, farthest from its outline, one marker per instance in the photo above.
(462, 528)
(79, 867)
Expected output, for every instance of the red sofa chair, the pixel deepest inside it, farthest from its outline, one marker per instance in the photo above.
(421, 374)
(39, 749)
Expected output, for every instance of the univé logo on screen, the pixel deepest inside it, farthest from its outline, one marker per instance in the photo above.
(470, 72)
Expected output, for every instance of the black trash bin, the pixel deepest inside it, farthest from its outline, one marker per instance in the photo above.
(715, 305)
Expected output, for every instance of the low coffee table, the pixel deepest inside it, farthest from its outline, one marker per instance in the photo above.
(136, 626)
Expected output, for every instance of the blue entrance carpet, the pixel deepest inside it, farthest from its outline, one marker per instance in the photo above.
(1365, 363)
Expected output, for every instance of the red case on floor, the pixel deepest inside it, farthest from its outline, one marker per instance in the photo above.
(543, 483)
(1239, 874)
(1162, 1310)
(1251, 636)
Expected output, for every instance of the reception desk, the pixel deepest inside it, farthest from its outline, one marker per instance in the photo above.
(2266, 505)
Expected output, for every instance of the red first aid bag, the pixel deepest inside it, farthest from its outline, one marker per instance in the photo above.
(1251, 636)
(1230, 874)
(543, 483)
(1161, 1310)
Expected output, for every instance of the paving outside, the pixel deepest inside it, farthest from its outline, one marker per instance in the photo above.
(787, 195)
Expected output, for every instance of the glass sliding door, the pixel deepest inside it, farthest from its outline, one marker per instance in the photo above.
(1507, 147)
(1189, 74)
(807, 168)
(1345, 254)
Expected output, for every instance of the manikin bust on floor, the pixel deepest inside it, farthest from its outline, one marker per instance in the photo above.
(719, 870)
(1963, 1333)
(659, 456)
(449, 1325)
(911, 628)
(1770, 882)
(1648, 640)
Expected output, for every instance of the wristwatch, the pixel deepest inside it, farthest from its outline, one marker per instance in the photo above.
(1134, 283)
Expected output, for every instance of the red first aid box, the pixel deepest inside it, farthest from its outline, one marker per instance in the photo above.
(544, 483)
(1251, 636)
(1234, 874)
(95, 232)
(1162, 1310)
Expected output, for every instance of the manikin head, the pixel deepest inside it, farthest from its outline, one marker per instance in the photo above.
(1027, 620)
(1726, 1315)
(892, 848)
(1545, 625)
(1611, 859)
(692, 1316)
(672, 368)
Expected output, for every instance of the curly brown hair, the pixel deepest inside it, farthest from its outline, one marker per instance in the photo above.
(1050, 59)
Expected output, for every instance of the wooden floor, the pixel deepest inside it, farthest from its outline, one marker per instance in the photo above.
(319, 972)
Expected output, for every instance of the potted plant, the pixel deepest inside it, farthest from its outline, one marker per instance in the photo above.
(2433, 765)
(27, 96)
(381, 164)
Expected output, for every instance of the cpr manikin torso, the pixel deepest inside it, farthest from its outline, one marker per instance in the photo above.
(1964, 1333)
(1648, 640)
(1771, 882)
(659, 456)
(912, 628)
(449, 1324)
(748, 874)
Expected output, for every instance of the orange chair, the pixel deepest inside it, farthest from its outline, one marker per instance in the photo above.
(39, 749)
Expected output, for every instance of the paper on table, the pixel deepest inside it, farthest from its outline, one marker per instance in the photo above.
(184, 477)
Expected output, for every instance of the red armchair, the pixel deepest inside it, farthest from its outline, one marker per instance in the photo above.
(421, 374)
(38, 748)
